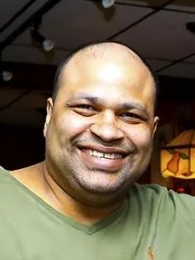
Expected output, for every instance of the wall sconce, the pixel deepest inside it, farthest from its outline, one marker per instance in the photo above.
(178, 156)
(47, 44)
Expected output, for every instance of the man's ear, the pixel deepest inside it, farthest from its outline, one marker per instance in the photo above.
(156, 120)
(48, 116)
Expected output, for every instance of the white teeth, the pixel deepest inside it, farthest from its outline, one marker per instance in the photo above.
(104, 155)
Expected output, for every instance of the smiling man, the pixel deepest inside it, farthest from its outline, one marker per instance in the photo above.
(99, 127)
(83, 202)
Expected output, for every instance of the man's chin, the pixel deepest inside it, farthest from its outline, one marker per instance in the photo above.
(100, 197)
(101, 187)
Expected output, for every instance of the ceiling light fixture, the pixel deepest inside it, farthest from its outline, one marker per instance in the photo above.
(6, 75)
(107, 3)
(47, 44)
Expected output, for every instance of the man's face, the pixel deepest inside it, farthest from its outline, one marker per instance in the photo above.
(100, 128)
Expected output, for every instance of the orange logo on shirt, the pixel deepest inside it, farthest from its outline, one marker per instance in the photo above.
(151, 254)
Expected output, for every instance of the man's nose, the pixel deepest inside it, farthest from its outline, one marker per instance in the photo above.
(106, 127)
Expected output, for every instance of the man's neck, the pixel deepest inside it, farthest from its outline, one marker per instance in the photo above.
(37, 179)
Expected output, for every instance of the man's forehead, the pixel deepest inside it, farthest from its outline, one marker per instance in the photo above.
(104, 60)
(109, 58)
(102, 51)
(106, 71)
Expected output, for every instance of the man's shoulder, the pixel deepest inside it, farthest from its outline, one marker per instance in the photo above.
(4, 174)
(161, 192)
(148, 198)
(2, 170)
(166, 201)
(150, 190)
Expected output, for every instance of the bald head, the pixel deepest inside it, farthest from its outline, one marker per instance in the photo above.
(102, 53)
(104, 50)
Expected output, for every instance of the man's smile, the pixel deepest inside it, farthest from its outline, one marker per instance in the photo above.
(100, 160)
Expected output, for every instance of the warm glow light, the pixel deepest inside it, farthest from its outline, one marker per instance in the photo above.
(181, 190)
(178, 157)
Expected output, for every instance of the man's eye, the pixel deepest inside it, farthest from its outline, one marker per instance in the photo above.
(131, 116)
(87, 107)
(84, 110)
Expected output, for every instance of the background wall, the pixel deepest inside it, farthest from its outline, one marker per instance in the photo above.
(20, 146)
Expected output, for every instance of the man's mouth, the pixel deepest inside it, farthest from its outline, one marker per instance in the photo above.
(104, 159)
(111, 156)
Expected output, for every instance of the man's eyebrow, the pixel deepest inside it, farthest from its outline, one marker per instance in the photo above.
(87, 97)
(134, 105)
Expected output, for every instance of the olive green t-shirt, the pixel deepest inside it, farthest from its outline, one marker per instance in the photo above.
(151, 224)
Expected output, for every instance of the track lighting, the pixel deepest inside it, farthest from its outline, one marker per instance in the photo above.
(108, 3)
(47, 44)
